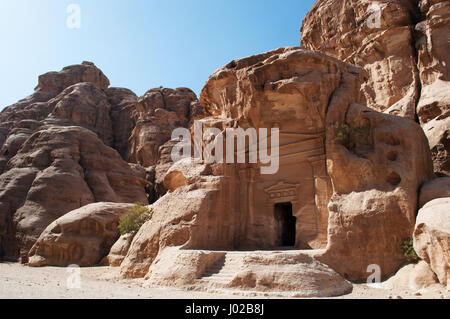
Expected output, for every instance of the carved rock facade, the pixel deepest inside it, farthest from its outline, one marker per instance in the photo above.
(325, 198)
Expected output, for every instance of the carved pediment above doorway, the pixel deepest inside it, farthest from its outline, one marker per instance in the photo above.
(282, 190)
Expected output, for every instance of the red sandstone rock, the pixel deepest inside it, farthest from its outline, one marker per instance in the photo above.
(119, 250)
(51, 165)
(373, 186)
(432, 237)
(57, 170)
(376, 183)
(406, 57)
(84, 105)
(352, 203)
(437, 188)
(123, 109)
(159, 112)
(433, 108)
(288, 274)
(81, 237)
(85, 72)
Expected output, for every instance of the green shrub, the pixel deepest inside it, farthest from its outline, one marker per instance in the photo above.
(132, 221)
(349, 135)
(408, 251)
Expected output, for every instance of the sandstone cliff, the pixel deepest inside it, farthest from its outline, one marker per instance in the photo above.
(404, 47)
(67, 145)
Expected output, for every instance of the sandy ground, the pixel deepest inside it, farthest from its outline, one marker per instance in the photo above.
(22, 282)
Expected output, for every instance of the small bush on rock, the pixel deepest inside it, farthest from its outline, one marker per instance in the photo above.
(132, 221)
(408, 251)
(349, 135)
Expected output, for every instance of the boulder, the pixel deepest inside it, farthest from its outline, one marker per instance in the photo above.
(432, 237)
(82, 237)
(183, 173)
(174, 215)
(284, 273)
(413, 277)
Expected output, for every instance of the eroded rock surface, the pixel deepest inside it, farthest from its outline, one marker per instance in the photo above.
(84, 105)
(119, 250)
(414, 277)
(432, 237)
(375, 183)
(290, 273)
(437, 188)
(57, 153)
(346, 188)
(231, 207)
(159, 112)
(57, 170)
(171, 229)
(403, 46)
(85, 72)
(82, 237)
(50, 85)
(123, 112)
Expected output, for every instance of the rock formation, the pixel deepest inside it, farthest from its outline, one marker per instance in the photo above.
(118, 251)
(344, 190)
(57, 170)
(56, 154)
(353, 163)
(20, 120)
(282, 273)
(123, 113)
(59, 149)
(159, 112)
(376, 183)
(432, 237)
(85, 105)
(165, 249)
(437, 188)
(416, 277)
(81, 237)
(403, 45)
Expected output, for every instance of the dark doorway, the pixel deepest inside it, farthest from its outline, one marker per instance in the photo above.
(286, 223)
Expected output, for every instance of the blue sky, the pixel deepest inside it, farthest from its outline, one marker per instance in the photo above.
(139, 44)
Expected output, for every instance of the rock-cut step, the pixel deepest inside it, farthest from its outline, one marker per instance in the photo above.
(222, 272)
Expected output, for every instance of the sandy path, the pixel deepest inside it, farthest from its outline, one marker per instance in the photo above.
(18, 281)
